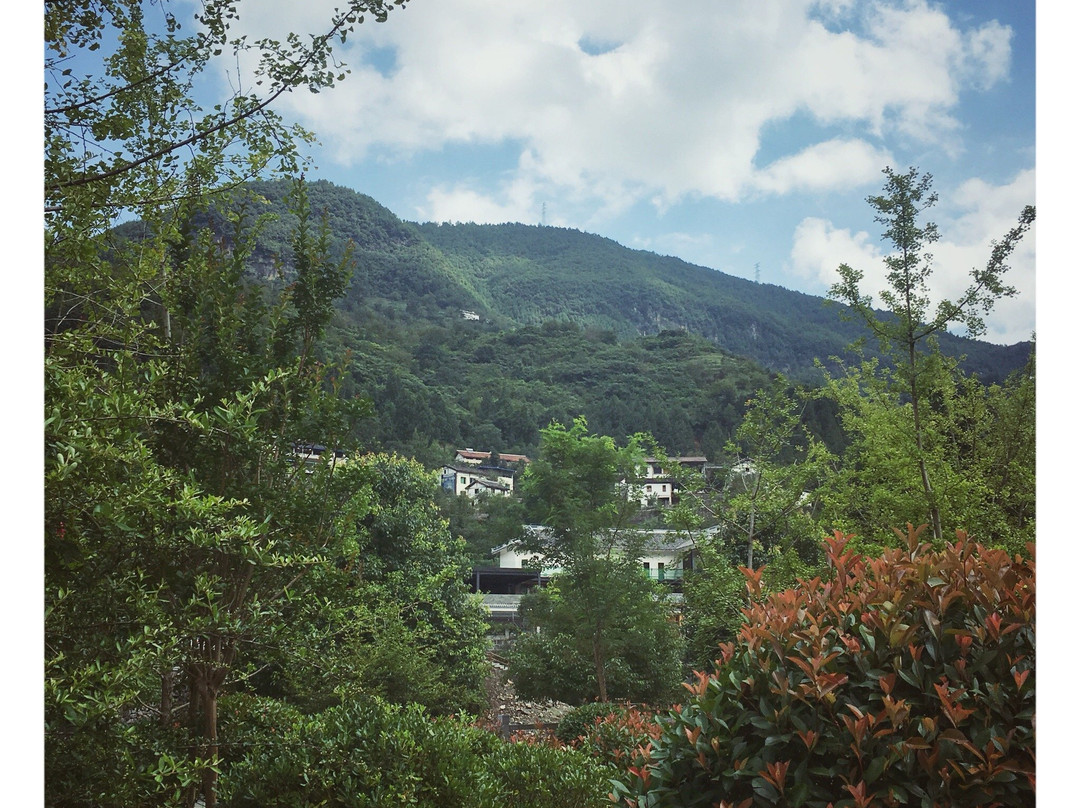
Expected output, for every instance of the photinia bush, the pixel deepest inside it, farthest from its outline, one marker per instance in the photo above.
(907, 679)
(621, 739)
(583, 718)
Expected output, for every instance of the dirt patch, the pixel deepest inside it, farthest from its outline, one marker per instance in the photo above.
(502, 699)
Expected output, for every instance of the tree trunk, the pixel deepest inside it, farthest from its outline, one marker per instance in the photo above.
(750, 541)
(194, 710)
(210, 776)
(598, 662)
(208, 679)
(928, 491)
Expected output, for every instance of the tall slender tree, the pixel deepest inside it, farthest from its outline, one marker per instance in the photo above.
(907, 331)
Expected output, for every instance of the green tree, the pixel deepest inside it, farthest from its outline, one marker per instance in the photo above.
(763, 512)
(484, 523)
(907, 333)
(767, 496)
(979, 443)
(1004, 442)
(714, 596)
(603, 631)
(393, 613)
(176, 521)
(122, 128)
(177, 517)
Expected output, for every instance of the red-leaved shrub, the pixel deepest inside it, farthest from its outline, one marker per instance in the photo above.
(907, 679)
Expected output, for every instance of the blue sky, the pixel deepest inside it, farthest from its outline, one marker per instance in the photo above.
(739, 135)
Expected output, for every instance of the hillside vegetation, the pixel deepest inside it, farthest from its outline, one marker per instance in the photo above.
(569, 324)
(515, 275)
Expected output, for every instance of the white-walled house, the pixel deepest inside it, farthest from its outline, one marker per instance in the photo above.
(656, 486)
(656, 491)
(513, 556)
(666, 555)
(653, 468)
(459, 478)
(481, 487)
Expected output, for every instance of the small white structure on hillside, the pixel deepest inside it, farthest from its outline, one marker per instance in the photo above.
(657, 487)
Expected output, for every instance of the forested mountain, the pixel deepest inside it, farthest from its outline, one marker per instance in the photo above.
(515, 275)
(569, 323)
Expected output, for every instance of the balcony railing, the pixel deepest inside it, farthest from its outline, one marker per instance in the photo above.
(666, 574)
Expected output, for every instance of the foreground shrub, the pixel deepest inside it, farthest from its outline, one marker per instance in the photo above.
(525, 775)
(907, 679)
(622, 739)
(369, 754)
(583, 718)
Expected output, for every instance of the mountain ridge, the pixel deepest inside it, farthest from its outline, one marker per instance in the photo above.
(514, 275)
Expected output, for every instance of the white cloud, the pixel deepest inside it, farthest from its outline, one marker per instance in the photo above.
(986, 55)
(675, 108)
(832, 165)
(970, 219)
(460, 204)
(818, 248)
(514, 201)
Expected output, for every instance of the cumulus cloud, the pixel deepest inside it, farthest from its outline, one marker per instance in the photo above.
(832, 165)
(460, 204)
(618, 100)
(981, 213)
(970, 218)
(818, 248)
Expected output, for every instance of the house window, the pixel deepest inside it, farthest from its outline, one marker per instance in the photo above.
(660, 571)
(645, 565)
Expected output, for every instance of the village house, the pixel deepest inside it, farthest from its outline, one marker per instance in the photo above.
(474, 474)
(666, 558)
(657, 487)
(666, 555)
(475, 458)
(483, 487)
(312, 454)
(474, 480)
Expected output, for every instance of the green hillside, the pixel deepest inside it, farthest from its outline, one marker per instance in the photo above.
(568, 324)
(514, 275)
